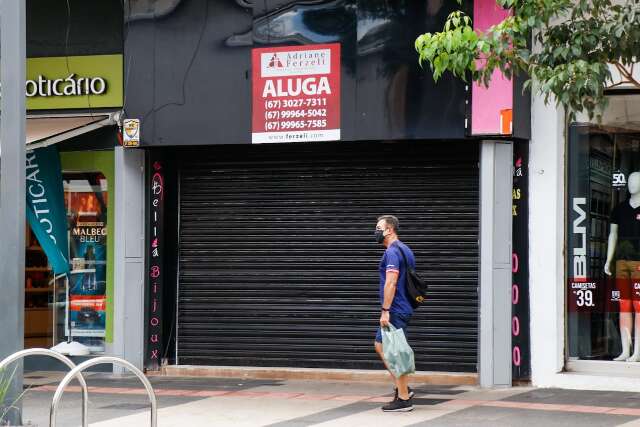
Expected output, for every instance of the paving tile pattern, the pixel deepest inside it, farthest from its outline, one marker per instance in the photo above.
(121, 401)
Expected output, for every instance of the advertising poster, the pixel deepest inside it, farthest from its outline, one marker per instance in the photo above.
(87, 214)
(585, 276)
(296, 93)
(591, 316)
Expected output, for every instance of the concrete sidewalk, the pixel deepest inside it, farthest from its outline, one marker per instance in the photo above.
(120, 401)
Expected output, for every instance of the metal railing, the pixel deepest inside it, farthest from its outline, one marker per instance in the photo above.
(101, 361)
(50, 353)
(76, 372)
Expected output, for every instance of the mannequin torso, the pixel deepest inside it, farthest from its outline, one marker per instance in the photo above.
(624, 244)
(625, 225)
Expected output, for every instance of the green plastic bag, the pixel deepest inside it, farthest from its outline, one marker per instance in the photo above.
(397, 352)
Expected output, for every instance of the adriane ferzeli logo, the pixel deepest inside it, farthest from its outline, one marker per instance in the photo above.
(295, 62)
(275, 62)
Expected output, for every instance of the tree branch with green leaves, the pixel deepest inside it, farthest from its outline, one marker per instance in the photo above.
(574, 44)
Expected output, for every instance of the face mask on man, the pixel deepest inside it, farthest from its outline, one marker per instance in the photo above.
(379, 236)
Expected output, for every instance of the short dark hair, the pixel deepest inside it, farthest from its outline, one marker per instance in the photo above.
(391, 221)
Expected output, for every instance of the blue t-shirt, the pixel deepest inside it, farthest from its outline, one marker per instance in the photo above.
(392, 261)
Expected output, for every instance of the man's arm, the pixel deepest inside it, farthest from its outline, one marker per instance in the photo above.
(390, 286)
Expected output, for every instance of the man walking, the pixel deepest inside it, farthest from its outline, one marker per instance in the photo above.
(396, 307)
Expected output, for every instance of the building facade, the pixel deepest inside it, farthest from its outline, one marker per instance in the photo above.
(582, 222)
(275, 135)
(75, 96)
(272, 137)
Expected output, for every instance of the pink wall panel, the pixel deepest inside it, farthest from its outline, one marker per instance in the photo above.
(488, 104)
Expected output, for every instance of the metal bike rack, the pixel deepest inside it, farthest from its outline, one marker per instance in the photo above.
(101, 361)
(46, 352)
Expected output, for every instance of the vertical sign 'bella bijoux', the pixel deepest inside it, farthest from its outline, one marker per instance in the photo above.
(153, 354)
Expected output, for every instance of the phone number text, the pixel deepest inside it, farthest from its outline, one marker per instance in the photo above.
(295, 103)
(296, 124)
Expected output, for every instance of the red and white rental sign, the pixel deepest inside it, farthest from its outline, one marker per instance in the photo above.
(296, 93)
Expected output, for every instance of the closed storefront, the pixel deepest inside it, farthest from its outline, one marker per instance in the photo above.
(278, 264)
(275, 136)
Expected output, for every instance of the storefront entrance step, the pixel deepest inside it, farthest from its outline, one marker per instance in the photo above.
(44, 363)
(313, 374)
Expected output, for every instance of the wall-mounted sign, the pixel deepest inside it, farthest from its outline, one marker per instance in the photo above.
(155, 255)
(520, 343)
(84, 82)
(131, 132)
(296, 93)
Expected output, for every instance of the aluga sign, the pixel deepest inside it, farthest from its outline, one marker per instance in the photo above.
(296, 93)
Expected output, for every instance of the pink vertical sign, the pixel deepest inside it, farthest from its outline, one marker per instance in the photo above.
(491, 108)
(153, 346)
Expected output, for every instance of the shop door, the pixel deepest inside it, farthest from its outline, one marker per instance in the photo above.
(278, 264)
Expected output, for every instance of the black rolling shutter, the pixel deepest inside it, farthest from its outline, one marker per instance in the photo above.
(279, 265)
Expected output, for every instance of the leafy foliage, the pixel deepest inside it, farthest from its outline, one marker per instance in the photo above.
(6, 381)
(574, 43)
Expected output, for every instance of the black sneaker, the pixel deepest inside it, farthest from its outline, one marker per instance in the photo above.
(395, 393)
(398, 405)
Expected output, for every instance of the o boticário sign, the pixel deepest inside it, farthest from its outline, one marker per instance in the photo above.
(84, 82)
(296, 93)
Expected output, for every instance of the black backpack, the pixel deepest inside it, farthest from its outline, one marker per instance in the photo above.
(416, 286)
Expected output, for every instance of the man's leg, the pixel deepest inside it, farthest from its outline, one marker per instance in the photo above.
(403, 387)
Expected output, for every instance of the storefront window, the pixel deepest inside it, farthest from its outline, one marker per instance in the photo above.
(603, 234)
(86, 200)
